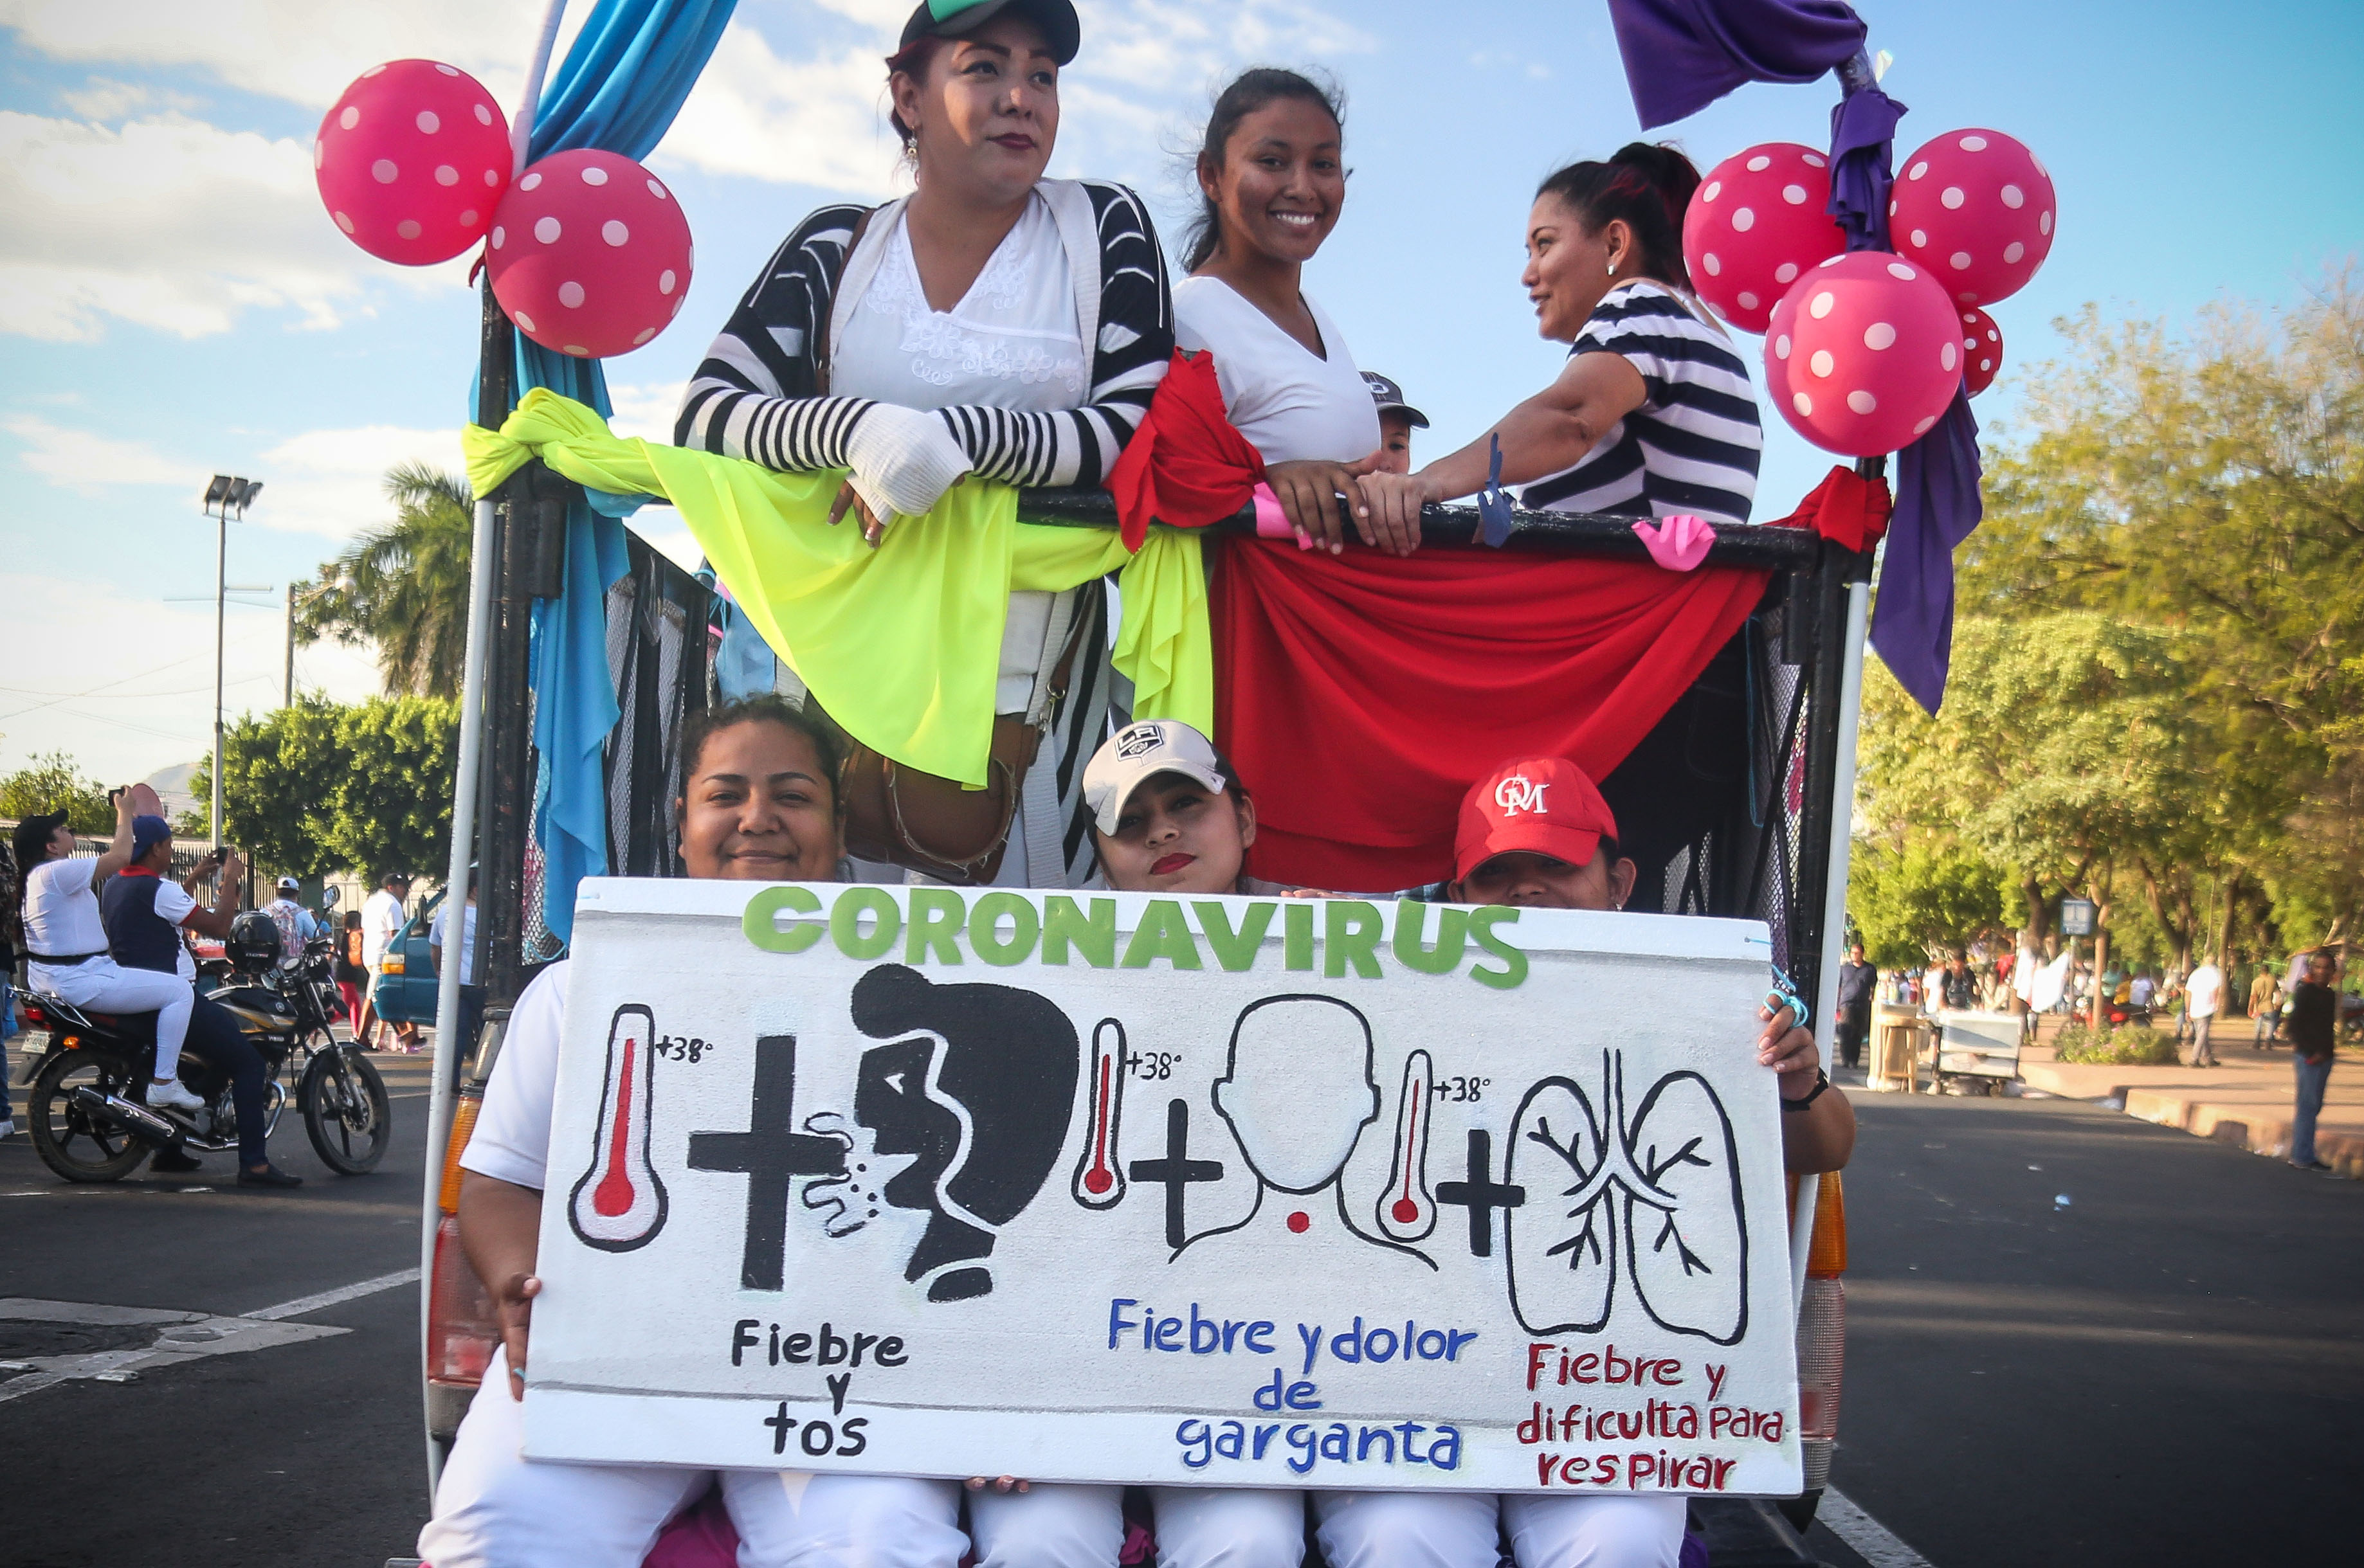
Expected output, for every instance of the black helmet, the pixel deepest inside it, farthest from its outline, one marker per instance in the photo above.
(253, 942)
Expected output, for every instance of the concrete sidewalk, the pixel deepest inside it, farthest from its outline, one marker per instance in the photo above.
(2245, 1102)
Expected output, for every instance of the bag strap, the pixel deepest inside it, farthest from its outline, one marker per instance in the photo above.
(837, 277)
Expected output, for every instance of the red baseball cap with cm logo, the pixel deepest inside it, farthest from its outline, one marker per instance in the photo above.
(1539, 805)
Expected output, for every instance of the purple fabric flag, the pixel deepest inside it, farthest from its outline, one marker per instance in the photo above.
(1682, 55)
(1937, 506)
(1863, 127)
(1938, 502)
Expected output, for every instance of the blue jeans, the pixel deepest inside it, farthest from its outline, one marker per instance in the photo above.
(7, 1028)
(215, 1039)
(2313, 1078)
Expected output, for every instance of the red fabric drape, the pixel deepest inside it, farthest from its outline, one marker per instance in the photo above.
(1359, 696)
(1845, 509)
(1184, 467)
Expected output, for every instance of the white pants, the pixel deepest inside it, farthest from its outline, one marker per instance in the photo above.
(496, 1508)
(1083, 1527)
(1460, 1529)
(103, 985)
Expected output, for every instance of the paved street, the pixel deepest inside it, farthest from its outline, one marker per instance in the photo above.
(296, 1455)
(2164, 1371)
(2159, 1373)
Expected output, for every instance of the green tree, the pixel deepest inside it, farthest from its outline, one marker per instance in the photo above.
(2065, 750)
(1930, 895)
(2212, 484)
(54, 782)
(404, 586)
(322, 785)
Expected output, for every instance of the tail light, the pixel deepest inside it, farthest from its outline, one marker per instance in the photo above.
(461, 1329)
(462, 1332)
(36, 1016)
(1822, 1334)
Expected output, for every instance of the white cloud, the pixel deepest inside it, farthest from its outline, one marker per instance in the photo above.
(296, 49)
(332, 483)
(646, 409)
(768, 113)
(125, 706)
(83, 461)
(104, 99)
(168, 223)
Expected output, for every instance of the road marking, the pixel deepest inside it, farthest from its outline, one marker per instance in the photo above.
(1871, 1540)
(179, 1337)
(304, 1304)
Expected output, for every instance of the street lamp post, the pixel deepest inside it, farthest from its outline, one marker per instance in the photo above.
(225, 494)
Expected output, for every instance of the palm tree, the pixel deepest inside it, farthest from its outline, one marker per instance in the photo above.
(404, 586)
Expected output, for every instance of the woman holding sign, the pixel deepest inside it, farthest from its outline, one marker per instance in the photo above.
(759, 804)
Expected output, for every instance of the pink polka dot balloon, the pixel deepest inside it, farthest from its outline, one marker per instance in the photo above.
(412, 161)
(1759, 218)
(1981, 350)
(590, 254)
(1864, 354)
(1975, 208)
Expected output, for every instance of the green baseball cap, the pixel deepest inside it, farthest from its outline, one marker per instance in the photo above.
(958, 19)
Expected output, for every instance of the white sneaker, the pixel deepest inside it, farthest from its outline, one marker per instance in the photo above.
(175, 1093)
(7, 1127)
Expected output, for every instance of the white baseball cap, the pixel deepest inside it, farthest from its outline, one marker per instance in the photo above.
(289, 885)
(1139, 750)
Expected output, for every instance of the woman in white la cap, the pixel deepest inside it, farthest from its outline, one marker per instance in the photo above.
(1169, 816)
(993, 323)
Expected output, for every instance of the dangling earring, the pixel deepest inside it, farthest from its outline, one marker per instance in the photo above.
(1613, 269)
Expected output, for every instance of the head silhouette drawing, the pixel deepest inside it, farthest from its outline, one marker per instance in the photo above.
(1297, 1089)
(976, 1081)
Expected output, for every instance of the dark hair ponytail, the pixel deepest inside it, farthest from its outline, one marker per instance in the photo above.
(1648, 185)
(1250, 90)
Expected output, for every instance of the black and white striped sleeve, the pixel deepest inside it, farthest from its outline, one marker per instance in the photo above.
(754, 397)
(1079, 446)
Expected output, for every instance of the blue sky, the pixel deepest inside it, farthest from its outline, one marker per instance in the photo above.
(173, 302)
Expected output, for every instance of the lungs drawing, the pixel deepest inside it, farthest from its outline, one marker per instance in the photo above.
(1651, 1192)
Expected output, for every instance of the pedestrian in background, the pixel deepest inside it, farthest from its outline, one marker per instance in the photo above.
(1858, 980)
(2314, 1025)
(2265, 1006)
(352, 970)
(12, 943)
(295, 924)
(2202, 995)
(381, 918)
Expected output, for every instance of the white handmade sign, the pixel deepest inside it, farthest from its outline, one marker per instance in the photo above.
(1120, 1188)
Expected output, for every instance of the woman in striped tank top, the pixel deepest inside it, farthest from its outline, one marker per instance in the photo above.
(1653, 414)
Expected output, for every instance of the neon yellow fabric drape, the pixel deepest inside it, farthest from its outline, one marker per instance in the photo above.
(901, 644)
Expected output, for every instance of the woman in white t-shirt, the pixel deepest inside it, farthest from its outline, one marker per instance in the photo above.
(758, 804)
(66, 947)
(1273, 179)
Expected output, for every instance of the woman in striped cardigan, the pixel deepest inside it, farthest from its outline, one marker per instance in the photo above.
(992, 323)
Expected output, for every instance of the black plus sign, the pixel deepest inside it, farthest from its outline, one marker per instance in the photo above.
(1176, 1171)
(771, 1154)
(1480, 1195)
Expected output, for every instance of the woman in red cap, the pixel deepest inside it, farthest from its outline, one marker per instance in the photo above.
(992, 323)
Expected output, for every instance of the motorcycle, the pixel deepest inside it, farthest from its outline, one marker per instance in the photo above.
(85, 1111)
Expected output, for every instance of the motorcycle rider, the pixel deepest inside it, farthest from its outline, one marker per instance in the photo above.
(66, 946)
(144, 916)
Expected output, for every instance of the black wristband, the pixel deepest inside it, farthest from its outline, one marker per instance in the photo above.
(1822, 1082)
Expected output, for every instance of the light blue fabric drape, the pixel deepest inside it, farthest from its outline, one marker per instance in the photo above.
(617, 90)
